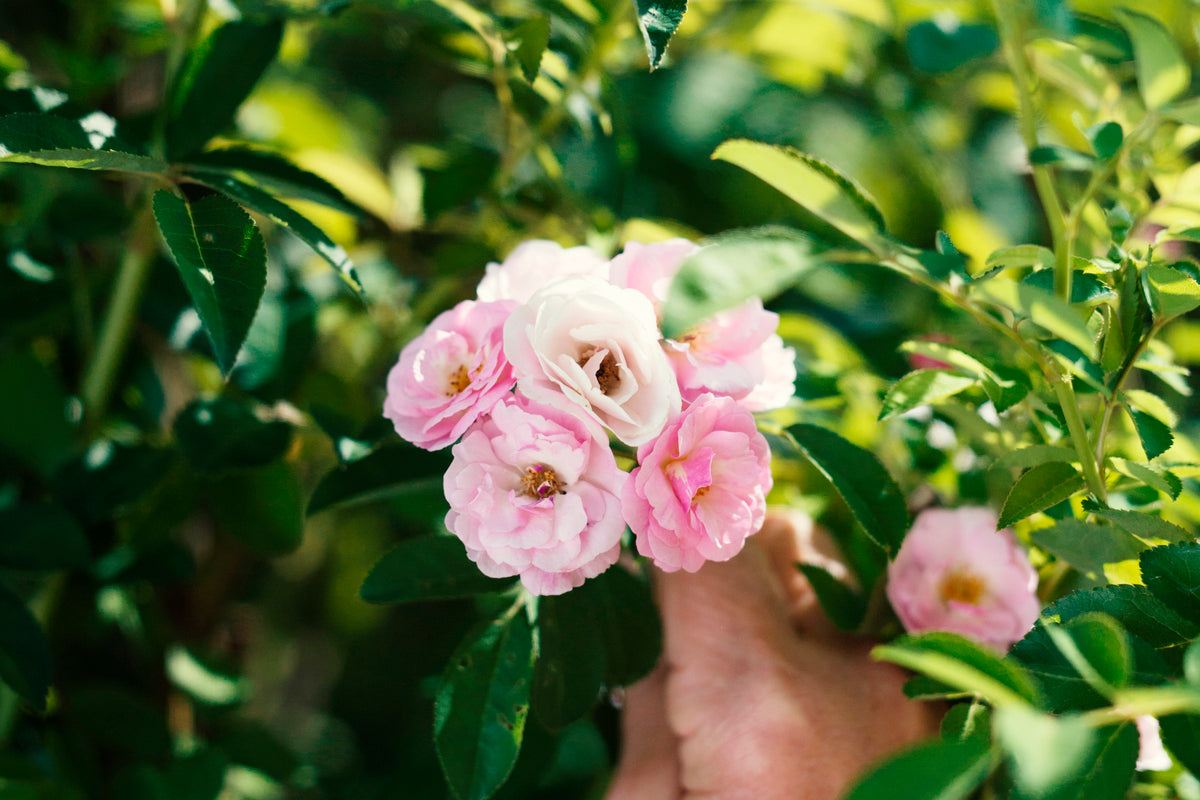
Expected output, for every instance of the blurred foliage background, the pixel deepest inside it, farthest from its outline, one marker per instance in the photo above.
(197, 583)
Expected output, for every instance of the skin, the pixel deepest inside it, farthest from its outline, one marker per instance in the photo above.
(757, 696)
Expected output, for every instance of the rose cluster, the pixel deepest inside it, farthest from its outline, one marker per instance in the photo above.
(560, 351)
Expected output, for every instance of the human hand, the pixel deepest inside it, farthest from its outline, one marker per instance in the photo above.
(756, 695)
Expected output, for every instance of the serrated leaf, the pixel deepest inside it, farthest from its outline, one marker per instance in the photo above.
(272, 173)
(54, 141)
(221, 434)
(386, 472)
(1162, 71)
(1086, 546)
(257, 200)
(844, 607)
(1172, 573)
(1156, 437)
(1038, 489)
(922, 387)
(24, 654)
(1169, 291)
(658, 20)
(218, 75)
(1144, 526)
(482, 704)
(571, 659)
(527, 42)
(733, 268)
(1086, 288)
(222, 260)
(1135, 607)
(868, 490)
(1158, 478)
(937, 770)
(41, 536)
(427, 568)
(1043, 308)
(962, 664)
(815, 185)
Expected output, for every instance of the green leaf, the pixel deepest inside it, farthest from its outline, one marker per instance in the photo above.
(54, 141)
(1156, 436)
(1033, 455)
(657, 20)
(815, 185)
(1086, 288)
(34, 428)
(1144, 526)
(1162, 71)
(1038, 489)
(527, 42)
(967, 720)
(937, 770)
(257, 200)
(481, 706)
(1106, 140)
(1042, 308)
(1181, 735)
(221, 434)
(922, 387)
(936, 48)
(1061, 157)
(962, 664)
(628, 619)
(1169, 291)
(571, 659)
(222, 260)
(41, 536)
(427, 568)
(126, 721)
(733, 268)
(1020, 256)
(1087, 546)
(1047, 752)
(110, 477)
(1157, 478)
(264, 508)
(868, 490)
(270, 172)
(1172, 572)
(1185, 111)
(217, 77)
(386, 472)
(24, 655)
(1097, 647)
(844, 607)
(1135, 607)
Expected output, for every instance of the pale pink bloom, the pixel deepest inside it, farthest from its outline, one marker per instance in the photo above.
(592, 348)
(451, 374)
(650, 268)
(700, 488)
(533, 264)
(534, 492)
(1151, 753)
(955, 572)
(736, 353)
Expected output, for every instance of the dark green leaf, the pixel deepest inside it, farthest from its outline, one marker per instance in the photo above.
(288, 9)
(1047, 752)
(658, 19)
(1086, 546)
(1162, 71)
(527, 42)
(935, 48)
(1172, 572)
(252, 744)
(1136, 608)
(628, 619)
(257, 200)
(844, 606)
(1112, 766)
(1097, 647)
(387, 472)
(41, 536)
(1061, 157)
(922, 387)
(120, 720)
(868, 490)
(482, 703)
(217, 77)
(110, 477)
(33, 413)
(1144, 526)
(937, 770)
(967, 720)
(270, 172)
(222, 434)
(1181, 735)
(264, 508)
(1157, 478)
(571, 659)
(1106, 140)
(222, 260)
(427, 568)
(55, 141)
(1086, 288)
(24, 655)
(1038, 489)
(733, 268)
(1156, 436)
(962, 664)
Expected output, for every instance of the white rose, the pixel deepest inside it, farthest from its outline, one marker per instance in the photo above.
(592, 348)
(533, 264)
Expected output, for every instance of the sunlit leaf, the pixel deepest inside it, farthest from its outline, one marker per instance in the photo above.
(657, 20)
(1087, 546)
(1038, 489)
(1144, 526)
(1162, 71)
(922, 387)
(270, 172)
(1169, 291)
(937, 770)
(528, 41)
(55, 141)
(1156, 436)
(1172, 572)
(964, 665)
(1043, 308)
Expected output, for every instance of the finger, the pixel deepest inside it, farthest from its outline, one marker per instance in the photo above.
(649, 765)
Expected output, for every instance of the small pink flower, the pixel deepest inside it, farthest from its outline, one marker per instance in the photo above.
(736, 353)
(1151, 753)
(955, 572)
(534, 492)
(700, 488)
(649, 268)
(533, 264)
(451, 374)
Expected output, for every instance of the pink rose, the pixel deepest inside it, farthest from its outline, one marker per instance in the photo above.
(649, 268)
(534, 493)
(451, 374)
(736, 353)
(592, 348)
(533, 264)
(700, 488)
(955, 572)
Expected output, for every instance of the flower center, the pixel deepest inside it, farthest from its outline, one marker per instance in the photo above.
(608, 376)
(541, 482)
(459, 380)
(961, 586)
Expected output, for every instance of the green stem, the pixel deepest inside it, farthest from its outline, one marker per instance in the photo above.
(97, 384)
